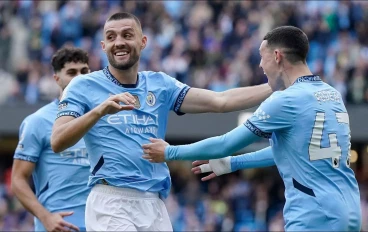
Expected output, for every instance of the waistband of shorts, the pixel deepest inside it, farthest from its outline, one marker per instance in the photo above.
(125, 192)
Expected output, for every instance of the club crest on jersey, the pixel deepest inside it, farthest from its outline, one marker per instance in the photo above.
(151, 99)
(62, 105)
(137, 103)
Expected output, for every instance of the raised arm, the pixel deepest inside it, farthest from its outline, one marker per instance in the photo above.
(68, 130)
(202, 100)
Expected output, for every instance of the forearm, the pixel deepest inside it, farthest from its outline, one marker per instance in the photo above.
(261, 158)
(244, 98)
(213, 148)
(24, 193)
(67, 134)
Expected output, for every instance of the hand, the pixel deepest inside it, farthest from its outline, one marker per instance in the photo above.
(112, 104)
(55, 222)
(155, 151)
(217, 167)
(201, 166)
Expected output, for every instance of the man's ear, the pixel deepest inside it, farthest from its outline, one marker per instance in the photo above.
(144, 42)
(103, 46)
(278, 56)
(56, 78)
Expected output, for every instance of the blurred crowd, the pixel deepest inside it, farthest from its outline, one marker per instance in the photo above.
(208, 44)
(243, 201)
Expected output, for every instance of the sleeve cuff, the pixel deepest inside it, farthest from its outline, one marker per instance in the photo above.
(180, 100)
(68, 113)
(256, 130)
(26, 158)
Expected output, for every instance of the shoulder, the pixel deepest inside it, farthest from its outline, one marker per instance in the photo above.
(279, 97)
(86, 78)
(81, 84)
(154, 75)
(44, 112)
(279, 103)
(34, 121)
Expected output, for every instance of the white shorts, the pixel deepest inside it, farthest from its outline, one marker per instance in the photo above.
(110, 208)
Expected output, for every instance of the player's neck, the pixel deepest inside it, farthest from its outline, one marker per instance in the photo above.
(125, 77)
(294, 72)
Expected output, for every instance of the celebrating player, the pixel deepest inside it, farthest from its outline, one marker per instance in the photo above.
(117, 110)
(308, 127)
(60, 179)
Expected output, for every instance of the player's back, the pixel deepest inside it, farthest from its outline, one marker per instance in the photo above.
(313, 158)
(60, 179)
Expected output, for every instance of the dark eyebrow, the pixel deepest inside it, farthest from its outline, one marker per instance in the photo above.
(124, 30)
(71, 70)
(109, 31)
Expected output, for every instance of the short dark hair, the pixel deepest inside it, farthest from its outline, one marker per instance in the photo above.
(124, 15)
(66, 55)
(294, 40)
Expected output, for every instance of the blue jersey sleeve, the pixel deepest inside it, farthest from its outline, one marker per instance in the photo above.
(74, 101)
(176, 93)
(274, 114)
(31, 140)
(213, 148)
(261, 158)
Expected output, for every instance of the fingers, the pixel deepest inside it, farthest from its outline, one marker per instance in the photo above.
(147, 146)
(153, 140)
(126, 107)
(121, 107)
(199, 162)
(209, 177)
(69, 225)
(126, 98)
(63, 214)
(197, 166)
(153, 159)
(147, 157)
(205, 168)
(129, 97)
(196, 170)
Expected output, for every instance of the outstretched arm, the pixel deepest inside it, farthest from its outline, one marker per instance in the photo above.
(257, 159)
(218, 167)
(212, 148)
(203, 101)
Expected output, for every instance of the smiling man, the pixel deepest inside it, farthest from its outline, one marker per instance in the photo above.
(117, 110)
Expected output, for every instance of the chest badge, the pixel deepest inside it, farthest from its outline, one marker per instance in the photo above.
(151, 99)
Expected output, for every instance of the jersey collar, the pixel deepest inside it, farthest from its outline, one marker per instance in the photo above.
(308, 78)
(111, 77)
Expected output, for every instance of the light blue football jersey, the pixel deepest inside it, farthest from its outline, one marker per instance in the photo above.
(309, 132)
(60, 179)
(114, 142)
